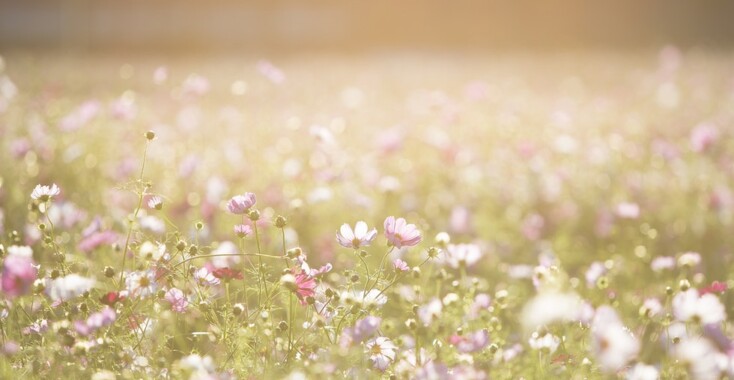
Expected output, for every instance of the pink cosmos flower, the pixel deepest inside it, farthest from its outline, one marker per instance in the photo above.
(305, 286)
(715, 287)
(241, 204)
(95, 321)
(363, 329)
(473, 342)
(18, 275)
(401, 234)
(359, 237)
(400, 265)
(177, 299)
(242, 230)
(703, 136)
(44, 193)
(95, 240)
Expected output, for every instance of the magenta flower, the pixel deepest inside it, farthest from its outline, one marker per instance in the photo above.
(241, 204)
(305, 286)
(401, 234)
(177, 299)
(359, 237)
(18, 275)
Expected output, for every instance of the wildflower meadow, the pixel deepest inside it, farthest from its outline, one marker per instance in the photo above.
(508, 216)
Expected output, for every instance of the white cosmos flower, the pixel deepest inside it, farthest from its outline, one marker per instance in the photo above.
(373, 297)
(547, 342)
(141, 284)
(198, 365)
(44, 193)
(613, 344)
(20, 250)
(700, 358)
(430, 311)
(550, 307)
(457, 255)
(152, 251)
(204, 277)
(642, 371)
(382, 352)
(690, 306)
(361, 236)
(68, 287)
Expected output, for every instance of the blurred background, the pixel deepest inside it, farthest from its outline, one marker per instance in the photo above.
(353, 26)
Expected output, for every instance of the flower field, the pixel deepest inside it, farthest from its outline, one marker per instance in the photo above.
(390, 216)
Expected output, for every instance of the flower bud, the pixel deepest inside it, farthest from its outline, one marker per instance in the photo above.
(281, 221)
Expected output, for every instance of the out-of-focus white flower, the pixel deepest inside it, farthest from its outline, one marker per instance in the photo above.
(612, 343)
(689, 259)
(458, 255)
(68, 287)
(651, 307)
(20, 250)
(152, 251)
(204, 277)
(700, 357)
(199, 367)
(371, 298)
(550, 307)
(628, 210)
(642, 371)
(548, 342)
(430, 311)
(705, 309)
(661, 263)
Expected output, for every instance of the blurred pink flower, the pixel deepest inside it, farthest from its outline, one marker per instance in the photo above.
(703, 136)
(177, 299)
(195, 85)
(18, 275)
(270, 71)
(628, 210)
(473, 342)
(241, 204)
(305, 286)
(242, 230)
(400, 265)
(359, 237)
(532, 226)
(401, 234)
(103, 318)
(95, 240)
(460, 219)
(160, 75)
